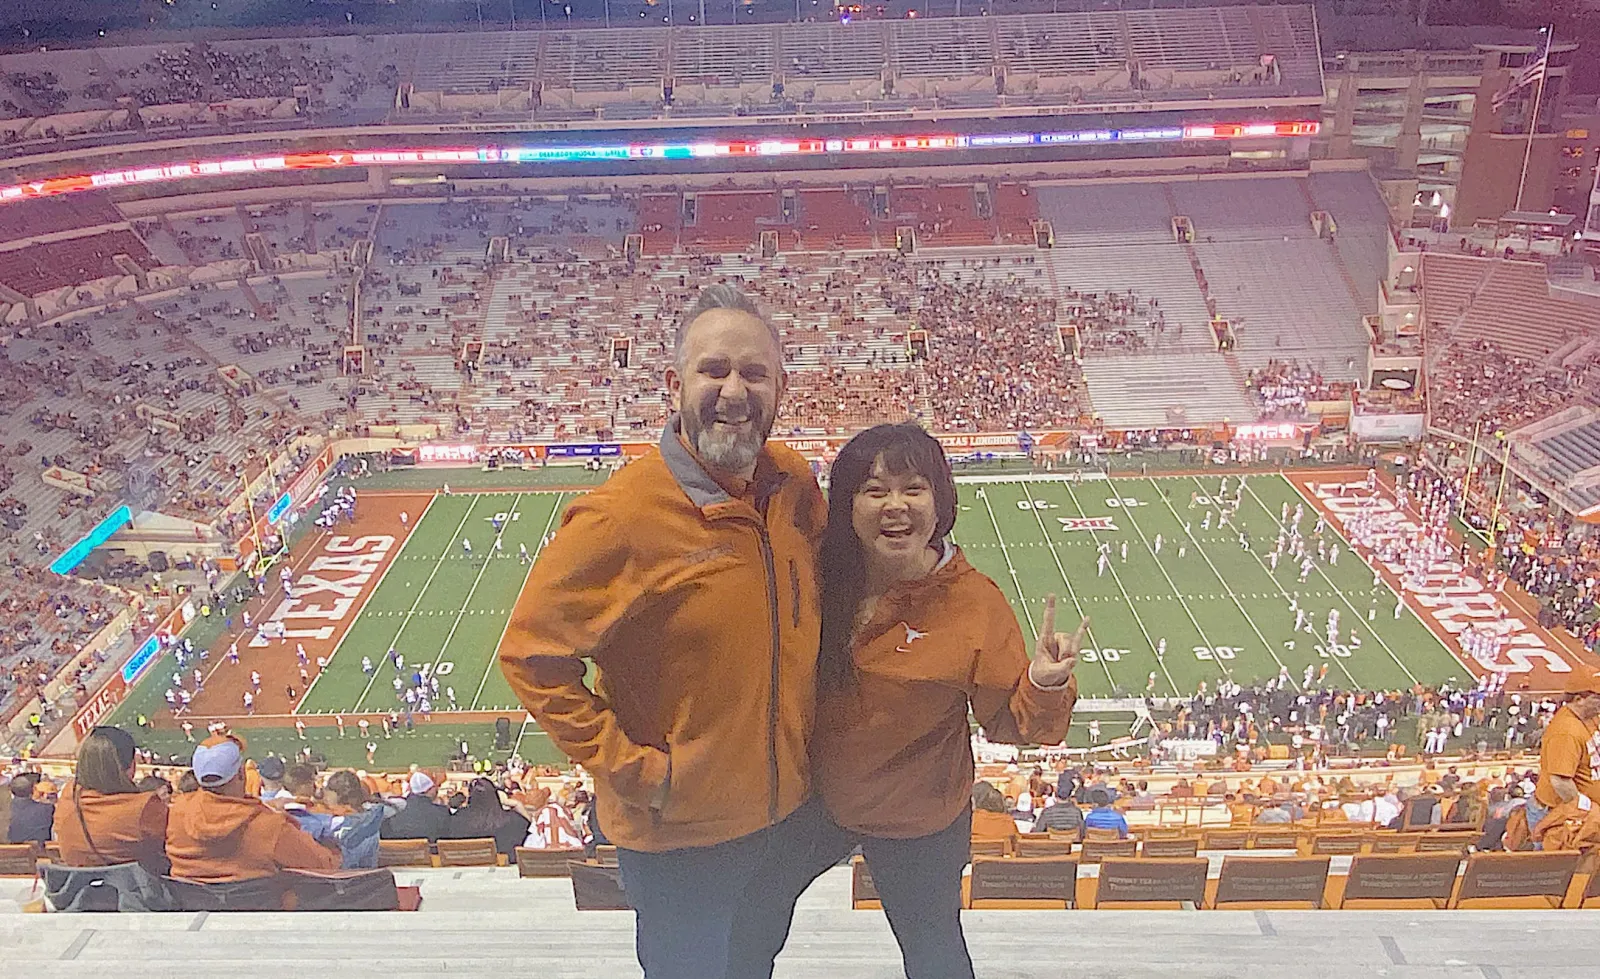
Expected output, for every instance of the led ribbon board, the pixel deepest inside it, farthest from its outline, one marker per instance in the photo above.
(622, 152)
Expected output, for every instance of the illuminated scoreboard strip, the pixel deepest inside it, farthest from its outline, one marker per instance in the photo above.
(705, 150)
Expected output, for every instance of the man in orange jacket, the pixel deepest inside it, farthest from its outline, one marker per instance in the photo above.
(689, 580)
(218, 834)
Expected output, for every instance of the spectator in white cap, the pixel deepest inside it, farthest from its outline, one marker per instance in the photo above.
(219, 835)
(422, 818)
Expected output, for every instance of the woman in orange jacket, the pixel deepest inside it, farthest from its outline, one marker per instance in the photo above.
(914, 639)
(104, 819)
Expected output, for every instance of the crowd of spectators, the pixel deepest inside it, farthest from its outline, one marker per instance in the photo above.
(1320, 721)
(1117, 322)
(201, 73)
(227, 818)
(1078, 801)
(1475, 383)
(1283, 389)
(996, 359)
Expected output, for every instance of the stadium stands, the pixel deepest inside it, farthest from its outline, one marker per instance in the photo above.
(1507, 303)
(38, 269)
(108, 95)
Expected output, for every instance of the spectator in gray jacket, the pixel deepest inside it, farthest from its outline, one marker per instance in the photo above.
(1062, 817)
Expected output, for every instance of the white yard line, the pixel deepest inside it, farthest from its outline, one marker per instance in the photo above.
(1015, 581)
(1126, 597)
(1355, 613)
(394, 562)
(494, 653)
(405, 620)
(1066, 580)
(1200, 548)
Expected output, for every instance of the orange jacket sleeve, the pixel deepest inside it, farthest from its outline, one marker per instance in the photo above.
(296, 850)
(1012, 708)
(584, 584)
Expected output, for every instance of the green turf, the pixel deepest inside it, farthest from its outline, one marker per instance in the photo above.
(441, 606)
(428, 744)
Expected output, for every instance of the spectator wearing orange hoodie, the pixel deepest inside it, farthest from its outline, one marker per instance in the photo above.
(914, 641)
(105, 820)
(220, 835)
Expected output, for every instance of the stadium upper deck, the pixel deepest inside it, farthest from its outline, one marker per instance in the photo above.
(55, 101)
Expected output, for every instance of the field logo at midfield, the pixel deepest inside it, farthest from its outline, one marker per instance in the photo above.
(327, 591)
(1086, 523)
(1452, 598)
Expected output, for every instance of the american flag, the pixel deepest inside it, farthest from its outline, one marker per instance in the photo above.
(1531, 74)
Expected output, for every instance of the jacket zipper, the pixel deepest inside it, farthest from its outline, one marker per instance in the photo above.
(772, 703)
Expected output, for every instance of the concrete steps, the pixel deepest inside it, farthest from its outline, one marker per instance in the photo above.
(488, 922)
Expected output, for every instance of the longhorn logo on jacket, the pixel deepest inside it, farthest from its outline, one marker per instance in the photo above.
(912, 636)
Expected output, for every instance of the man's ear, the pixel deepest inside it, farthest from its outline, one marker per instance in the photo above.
(674, 388)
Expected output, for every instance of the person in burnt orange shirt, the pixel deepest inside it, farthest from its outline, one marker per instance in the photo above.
(914, 639)
(104, 819)
(1565, 770)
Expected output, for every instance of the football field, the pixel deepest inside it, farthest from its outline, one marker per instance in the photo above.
(442, 606)
(1219, 607)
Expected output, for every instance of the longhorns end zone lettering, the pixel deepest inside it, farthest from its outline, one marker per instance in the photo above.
(1086, 523)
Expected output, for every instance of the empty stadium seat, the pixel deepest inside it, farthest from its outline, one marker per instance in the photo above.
(405, 853)
(469, 853)
(546, 863)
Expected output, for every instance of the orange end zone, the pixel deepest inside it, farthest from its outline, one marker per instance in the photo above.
(1536, 659)
(335, 572)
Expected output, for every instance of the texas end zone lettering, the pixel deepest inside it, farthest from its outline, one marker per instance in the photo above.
(1453, 598)
(1086, 523)
(326, 592)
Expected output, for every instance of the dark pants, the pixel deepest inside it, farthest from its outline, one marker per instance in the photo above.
(918, 880)
(686, 901)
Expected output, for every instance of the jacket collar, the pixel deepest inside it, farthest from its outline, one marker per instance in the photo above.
(698, 485)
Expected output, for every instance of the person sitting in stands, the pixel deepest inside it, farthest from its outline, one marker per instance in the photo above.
(990, 820)
(219, 835)
(484, 817)
(106, 819)
(1103, 816)
(552, 827)
(30, 818)
(1062, 817)
(422, 818)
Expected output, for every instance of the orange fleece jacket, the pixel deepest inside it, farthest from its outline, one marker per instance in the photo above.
(699, 610)
(892, 755)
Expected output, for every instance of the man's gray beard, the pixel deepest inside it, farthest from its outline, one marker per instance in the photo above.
(733, 453)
